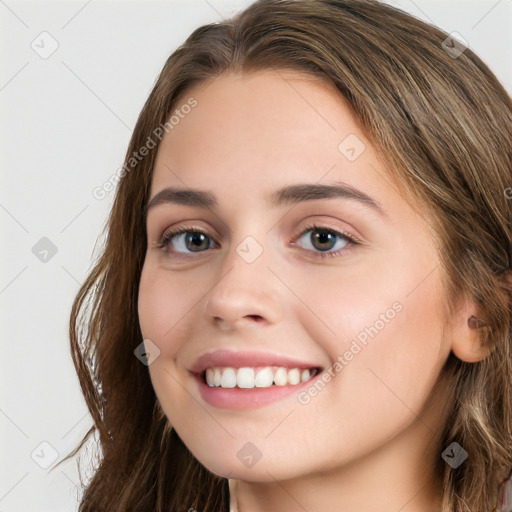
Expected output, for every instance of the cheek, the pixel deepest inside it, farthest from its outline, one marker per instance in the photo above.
(386, 339)
(163, 304)
(406, 361)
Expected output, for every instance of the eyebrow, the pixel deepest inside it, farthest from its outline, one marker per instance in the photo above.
(289, 195)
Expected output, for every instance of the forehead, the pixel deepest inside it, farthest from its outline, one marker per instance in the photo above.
(264, 125)
(269, 100)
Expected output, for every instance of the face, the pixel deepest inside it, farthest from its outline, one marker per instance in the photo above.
(344, 284)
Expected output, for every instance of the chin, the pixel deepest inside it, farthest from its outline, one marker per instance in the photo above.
(261, 471)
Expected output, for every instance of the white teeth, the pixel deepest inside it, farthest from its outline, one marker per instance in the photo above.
(245, 378)
(216, 377)
(260, 377)
(228, 379)
(293, 376)
(265, 378)
(305, 375)
(280, 377)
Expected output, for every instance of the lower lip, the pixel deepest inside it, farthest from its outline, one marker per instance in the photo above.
(237, 398)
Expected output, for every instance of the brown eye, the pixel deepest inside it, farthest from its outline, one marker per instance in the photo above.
(185, 239)
(323, 239)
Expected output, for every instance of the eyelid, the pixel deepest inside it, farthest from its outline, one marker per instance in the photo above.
(319, 225)
(171, 232)
(352, 241)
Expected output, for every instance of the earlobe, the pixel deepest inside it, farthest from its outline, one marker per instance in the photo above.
(475, 323)
(467, 334)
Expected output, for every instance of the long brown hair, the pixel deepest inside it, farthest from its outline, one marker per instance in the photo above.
(443, 126)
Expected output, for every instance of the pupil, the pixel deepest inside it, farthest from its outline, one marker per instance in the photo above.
(196, 238)
(324, 237)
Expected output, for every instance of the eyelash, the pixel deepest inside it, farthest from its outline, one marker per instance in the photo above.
(352, 240)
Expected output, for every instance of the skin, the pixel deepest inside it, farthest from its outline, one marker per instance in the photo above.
(359, 444)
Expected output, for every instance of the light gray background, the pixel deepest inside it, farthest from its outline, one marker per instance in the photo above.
(65, 125)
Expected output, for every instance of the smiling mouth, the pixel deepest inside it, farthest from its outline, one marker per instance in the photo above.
(228, 377)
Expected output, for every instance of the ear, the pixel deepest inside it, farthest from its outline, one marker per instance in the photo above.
(466, 328)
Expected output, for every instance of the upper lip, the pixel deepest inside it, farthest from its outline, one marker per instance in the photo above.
(235, 359)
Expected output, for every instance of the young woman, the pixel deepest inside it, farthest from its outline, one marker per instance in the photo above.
(304, 299)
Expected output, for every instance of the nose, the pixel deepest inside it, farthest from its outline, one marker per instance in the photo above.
(246, 292)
